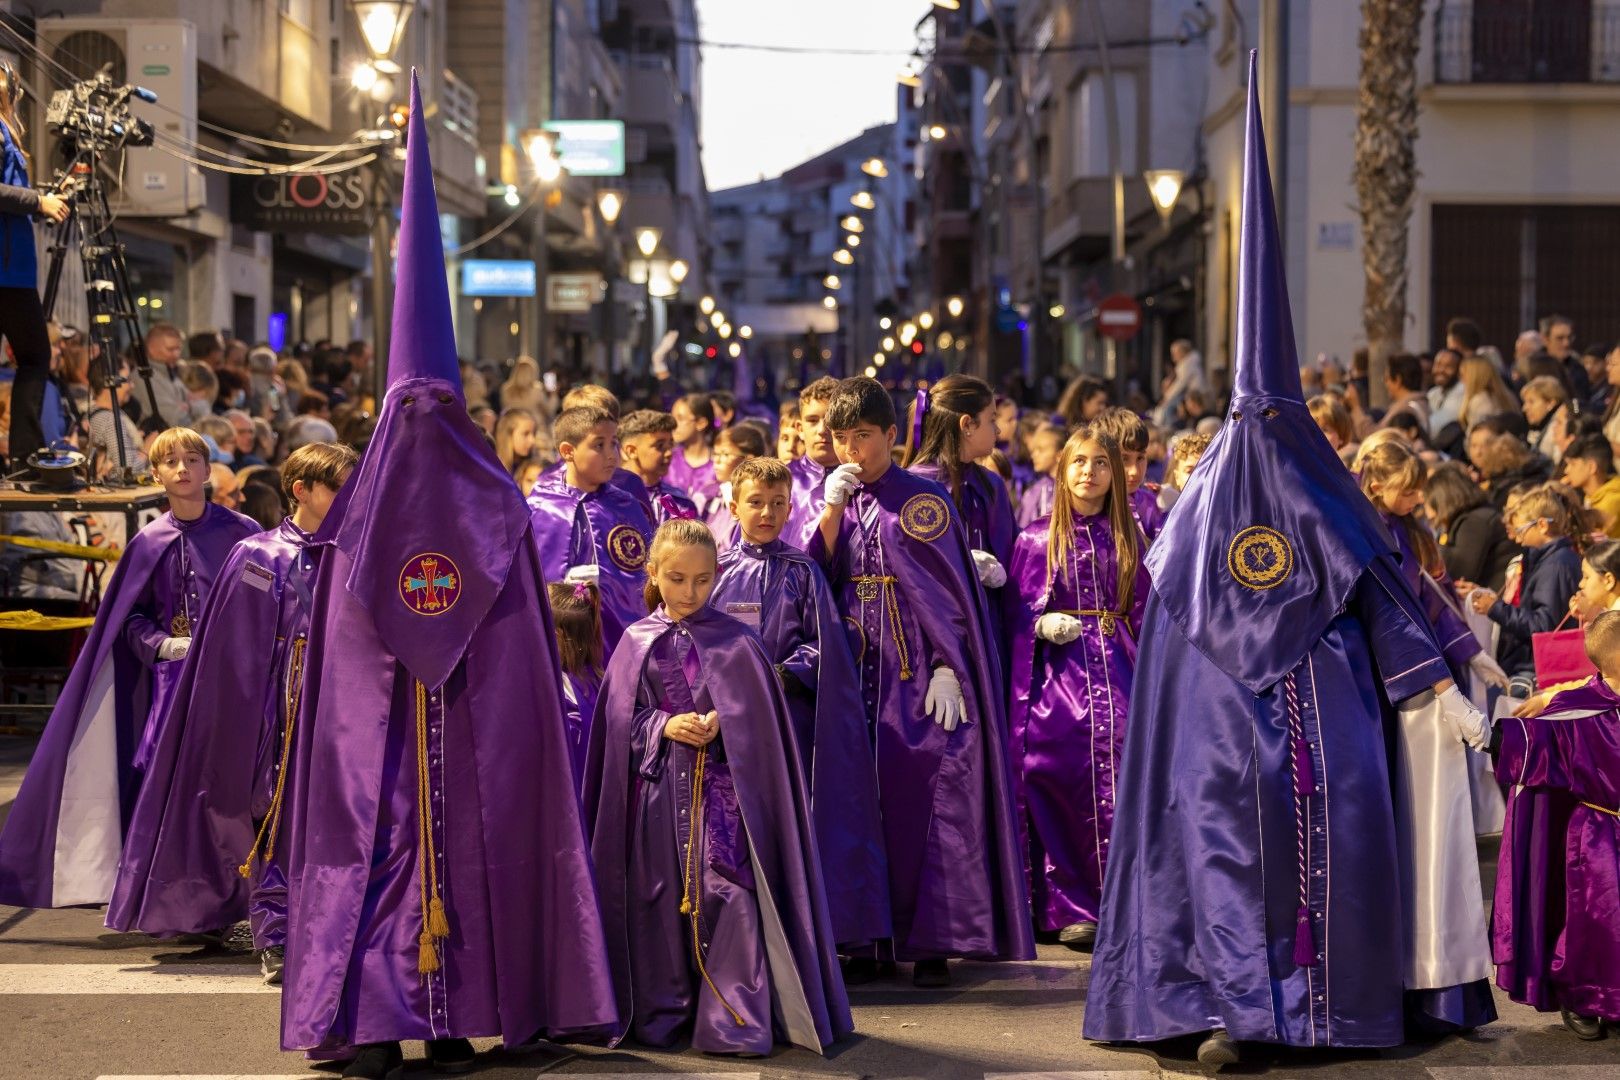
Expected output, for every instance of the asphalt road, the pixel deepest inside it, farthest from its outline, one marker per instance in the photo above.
(79, 1002)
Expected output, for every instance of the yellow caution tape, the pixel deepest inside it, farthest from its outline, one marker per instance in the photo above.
(77, 551)
(33, 620)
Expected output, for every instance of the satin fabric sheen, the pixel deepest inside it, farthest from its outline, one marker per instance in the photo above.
(956, 879)
(166, 566)
(807, 501)
(1573, 750)
(757, 854)
(1067, 717)
(666, 502)
(987, 517)
(215, 766)
(1145, 509)
(1036, 501)
(697, 481)
(804, 636)
(572, 528)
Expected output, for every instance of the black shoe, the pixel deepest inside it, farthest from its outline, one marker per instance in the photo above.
(931, 974)
(860, 970)
(451, 1055)
(1590, 1028)
(1080, 935)
(376, 1061)
(1217, 1050)
(271, 962)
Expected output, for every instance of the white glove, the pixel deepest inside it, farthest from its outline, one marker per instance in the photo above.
(1471, 726)
(1057, 628)
(1488, 671)
(583, 574)
(841, 484)
(944, 701)
(173, 648)
(991, 573)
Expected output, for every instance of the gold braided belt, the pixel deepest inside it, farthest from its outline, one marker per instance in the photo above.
(868, 587)
(1107, 621)
(1601, 809)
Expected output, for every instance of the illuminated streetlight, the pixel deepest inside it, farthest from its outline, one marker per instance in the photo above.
(611, 204)
(830, 303)
(1165, 187)
(745, 331)
(908, 331)
(364, 77)
(706, 305)
(852, 223)
(945, 339)
(1056, 311)
(875, 167)
(542, 155)
(678, 271)
(735, 350)
(926, 320)
(871, 372)
(510, 196)
(936, 131)
(885, 322)
(880, 359)
(832, 282)
(382, 27)
(955, 306)
(888, 344)
(852, 241)
(725, 330)
(647, 240)
(863, 199)
(842, 257)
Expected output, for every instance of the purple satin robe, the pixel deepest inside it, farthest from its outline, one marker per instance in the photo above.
(806, 502)
(696, 480)
(987, 517)
(579, 705)
(81, 786)
(668, 502)
(1066, 722)
(1036, 501)
(1457, 642)
(1572, 750)
(605, 528)
(761, 919)
(1145, 509)
(217, 759)
(782, 594)
(956, 881)
(623, 479)
(721, 522)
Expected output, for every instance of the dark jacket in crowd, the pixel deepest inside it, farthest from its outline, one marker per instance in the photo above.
(1551, 575)
(1537, 471)
(1475, 547)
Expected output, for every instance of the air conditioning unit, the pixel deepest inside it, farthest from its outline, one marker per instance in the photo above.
(158, 54)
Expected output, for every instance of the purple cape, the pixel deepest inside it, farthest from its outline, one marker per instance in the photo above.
(780, 591)
(438, 879)
(757, 731)
(85, 759)
(1036, 501)
(605, 528)
(987, 517)
(956, 858)
(667, 502)
(215, 759)
(804, 516)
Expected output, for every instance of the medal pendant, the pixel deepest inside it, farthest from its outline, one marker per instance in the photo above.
(180, 626)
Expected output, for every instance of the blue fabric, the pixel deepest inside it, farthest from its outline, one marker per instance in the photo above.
(19, 260)
(1550, 576)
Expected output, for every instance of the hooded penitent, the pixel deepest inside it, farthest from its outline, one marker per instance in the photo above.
(438, 879)
(1252, 882)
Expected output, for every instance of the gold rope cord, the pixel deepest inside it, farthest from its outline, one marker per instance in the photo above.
(271, 825)
(435, 922)
(692, 885)
(33, 620)
(77, 551)
(867, 588)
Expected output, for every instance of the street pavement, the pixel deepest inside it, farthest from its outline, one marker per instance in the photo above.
(80, 1002)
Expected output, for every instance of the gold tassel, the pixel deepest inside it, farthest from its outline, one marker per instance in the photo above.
(271, 824)
(427, 957)
(438, 924)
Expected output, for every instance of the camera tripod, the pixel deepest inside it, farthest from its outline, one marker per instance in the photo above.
(109, 296)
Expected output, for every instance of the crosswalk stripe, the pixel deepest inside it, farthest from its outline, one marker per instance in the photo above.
(126, 979)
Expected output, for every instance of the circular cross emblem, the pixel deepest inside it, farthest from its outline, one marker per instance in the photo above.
(430, 584)
(1260, 558)
(627, 548)
(925, 517)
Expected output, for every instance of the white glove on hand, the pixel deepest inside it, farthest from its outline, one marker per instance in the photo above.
(583, 574)
(1058, 629)
(1488, 671)
(992, 575)
(944, 701)
(173, 648)
(1471, 726)
(841, 484)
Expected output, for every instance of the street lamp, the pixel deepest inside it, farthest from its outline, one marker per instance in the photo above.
(1165, 187)
(745, 331)
(843, 258)
(647, 239)
(863, 199)
(830, 303)
(734, 349)
(832, 282)
(852, 241)
(724, 330)
(926, 320)
(936, 131)
(611, 204)
(875, 167)
(888, 344)
(678, 270)
(382, 26)
(542, 155)
(955, 306)
(852, 223)
(706, 305)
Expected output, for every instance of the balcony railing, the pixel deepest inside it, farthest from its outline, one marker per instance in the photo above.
(1512, 41)
(459, 107)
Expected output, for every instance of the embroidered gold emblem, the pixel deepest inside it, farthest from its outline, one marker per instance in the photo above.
(180, 626)
(627, 548)
(925, 517)
(1260, 558)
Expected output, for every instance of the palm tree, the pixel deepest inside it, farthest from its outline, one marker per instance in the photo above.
(1386, 171)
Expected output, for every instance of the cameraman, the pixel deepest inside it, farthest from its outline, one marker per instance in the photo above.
(22, 318)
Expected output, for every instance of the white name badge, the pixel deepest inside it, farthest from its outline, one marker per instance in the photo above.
(747, 614)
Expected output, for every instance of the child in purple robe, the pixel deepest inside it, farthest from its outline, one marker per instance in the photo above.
(692, 469)
(648, 441)
(1131, 433)
(898, 558)
(588, 529)
(699, 824)
(811, 468)
(789, 446)
(1045, 443)
(1573, 751)
(576, 611)
(206, 825)
(596, 397)
(1076, 597)
(781, 593)
(732, 447)
(86, 774)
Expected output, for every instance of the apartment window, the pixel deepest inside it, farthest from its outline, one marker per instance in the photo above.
(301, 12)
(1088, 124)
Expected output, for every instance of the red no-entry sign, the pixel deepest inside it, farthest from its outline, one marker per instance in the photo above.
(1119, 317)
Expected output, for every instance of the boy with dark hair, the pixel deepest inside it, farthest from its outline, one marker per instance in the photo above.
(810, 469)
(898, 560)
(88, 767)
(600, 397)
(215, 786)
(1589, 469)
(1131, 433)
(587, 528)
(648, 440)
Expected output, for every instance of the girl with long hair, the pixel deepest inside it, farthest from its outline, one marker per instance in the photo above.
(576, 612)
(515, 435)
(1484, 392)
(699, 826)
(1078, 591)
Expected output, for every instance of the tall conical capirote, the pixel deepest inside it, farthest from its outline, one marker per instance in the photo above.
(422, 344)
(1266, 363)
